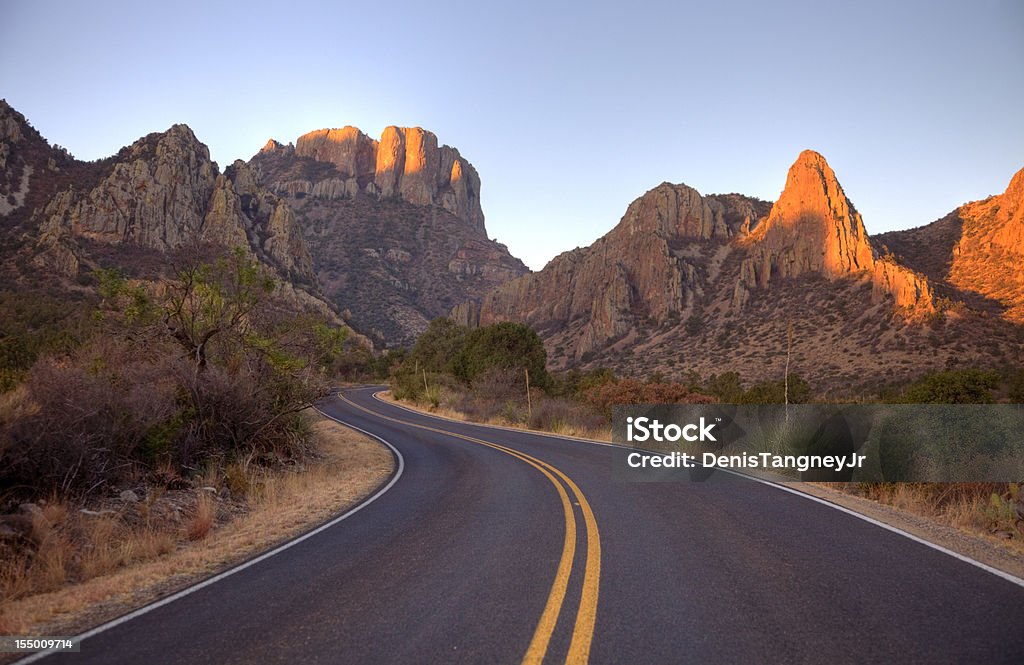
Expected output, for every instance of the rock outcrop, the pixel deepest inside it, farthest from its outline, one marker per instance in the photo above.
(156, 196)
(644, 269)
(163, 193)
(814, 228)
(405, 164)
(394, 226)
(31, 170)
(974, 253)
(389, 231)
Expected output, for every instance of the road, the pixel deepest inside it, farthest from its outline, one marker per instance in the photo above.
(497, 546)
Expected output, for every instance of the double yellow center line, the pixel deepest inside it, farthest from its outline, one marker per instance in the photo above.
(586, 614)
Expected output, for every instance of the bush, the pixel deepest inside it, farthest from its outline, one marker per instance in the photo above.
(631, 391)
(503, 346)
(774, 392)
(966, 386)
(210, 365)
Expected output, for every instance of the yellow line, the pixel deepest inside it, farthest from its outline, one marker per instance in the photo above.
(586, 615)
(549, 618)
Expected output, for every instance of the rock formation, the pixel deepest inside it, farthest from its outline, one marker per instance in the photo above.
(160, 195)
(394, 226)
(163, 193)
(406, 164)
(720, 283)
(974, 253)
(645, 268)
(813, 228)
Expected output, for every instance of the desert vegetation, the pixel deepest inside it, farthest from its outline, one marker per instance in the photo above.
(482, 374)
(148, 397)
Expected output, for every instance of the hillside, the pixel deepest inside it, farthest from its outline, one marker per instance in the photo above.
(712, 284)
(387, 234)
(974, 253)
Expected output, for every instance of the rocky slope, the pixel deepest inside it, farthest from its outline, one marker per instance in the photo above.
(394, 226)
(974, 253)
(160, 196)
(717, 283)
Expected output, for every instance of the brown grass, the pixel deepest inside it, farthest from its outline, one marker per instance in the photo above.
(203, 517)
(88, 569)
(988, 510)
(447, 409)
(16, 404)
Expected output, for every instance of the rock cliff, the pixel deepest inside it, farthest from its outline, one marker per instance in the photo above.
(405, 164)
(152, 200)
(163, 193)
(974, 253)
(814, 228)
(394, 226)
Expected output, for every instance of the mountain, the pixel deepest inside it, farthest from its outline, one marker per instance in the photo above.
(974, 253)
(718, 283)
(157, 199)
(388, 234)
(394, 227)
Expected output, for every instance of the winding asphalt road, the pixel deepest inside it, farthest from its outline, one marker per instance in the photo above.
(497, 546)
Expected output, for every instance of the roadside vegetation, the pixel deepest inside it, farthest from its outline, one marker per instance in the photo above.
(88, 567)
(480, 375)
(138, 415)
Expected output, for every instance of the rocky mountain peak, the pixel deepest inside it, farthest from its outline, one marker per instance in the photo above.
(812, 190)
(406, 164)
(813, 228)
(270, 146)
(12, 123)
(815, 221)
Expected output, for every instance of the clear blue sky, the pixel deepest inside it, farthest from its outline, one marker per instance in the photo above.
(568, 110)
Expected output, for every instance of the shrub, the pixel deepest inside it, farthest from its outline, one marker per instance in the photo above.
(631, 391)
(967, 386)
(503, 346)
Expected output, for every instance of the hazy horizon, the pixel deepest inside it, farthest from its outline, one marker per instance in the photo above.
(568, 115)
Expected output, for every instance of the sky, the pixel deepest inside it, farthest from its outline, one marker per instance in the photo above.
(568, 110)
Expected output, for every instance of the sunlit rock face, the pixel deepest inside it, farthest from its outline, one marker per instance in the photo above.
(406, 164)
(394, 225)
(974, 253)
(814, 228)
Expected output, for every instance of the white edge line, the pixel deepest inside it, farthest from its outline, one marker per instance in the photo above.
(1009, 577)
(242, 566)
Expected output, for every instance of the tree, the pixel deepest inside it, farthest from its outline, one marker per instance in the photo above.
(247, 362)
(439, 345)
(726, 387)
(210, 300)
(503, 346)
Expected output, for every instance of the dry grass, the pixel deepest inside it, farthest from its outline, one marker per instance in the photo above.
(203, 517)
(445, 409)
(990, 510)
(88, 569)
(16, 404)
